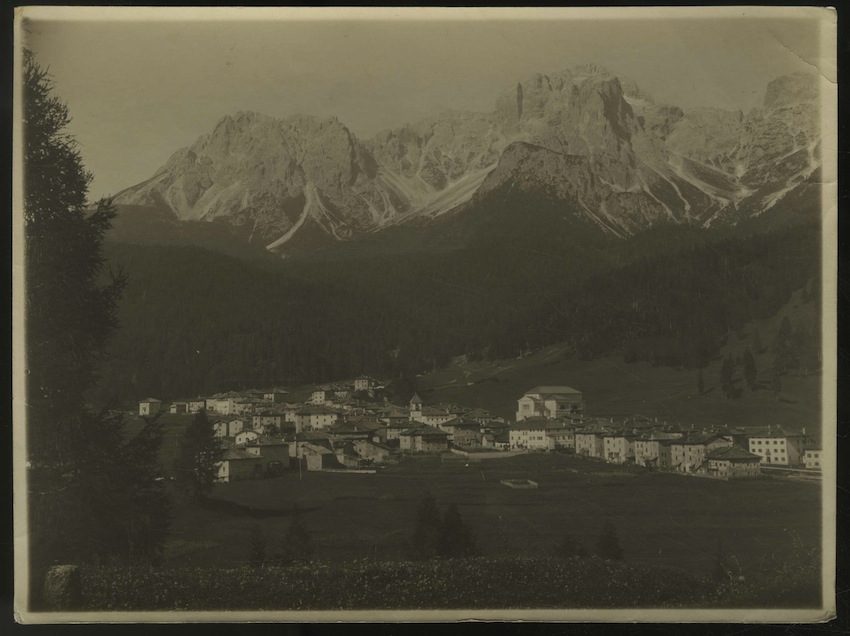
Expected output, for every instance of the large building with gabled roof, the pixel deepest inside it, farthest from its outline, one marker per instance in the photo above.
(550, 402)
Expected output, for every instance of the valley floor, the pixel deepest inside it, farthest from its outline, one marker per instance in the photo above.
(662, 519)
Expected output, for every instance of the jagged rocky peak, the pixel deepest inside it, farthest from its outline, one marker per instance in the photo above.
(440, 149)
(791, 89)
(584, 134)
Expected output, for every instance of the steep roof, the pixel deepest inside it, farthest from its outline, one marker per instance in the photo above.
(425, 431)
(406, 425)
(733, 453)
(415, 399)
(315, 410)
(430, 410)
(266, 440)
(553, 390)
(150, 400)
(530, 424)
(232, 454)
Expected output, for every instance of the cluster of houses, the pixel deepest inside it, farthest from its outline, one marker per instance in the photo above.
(342, 427)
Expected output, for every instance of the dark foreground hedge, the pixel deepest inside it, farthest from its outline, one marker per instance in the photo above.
(472, 583)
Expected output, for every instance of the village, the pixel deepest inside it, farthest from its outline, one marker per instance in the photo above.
(349, 427)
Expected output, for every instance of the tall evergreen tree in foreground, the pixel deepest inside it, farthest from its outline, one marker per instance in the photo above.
(91, 495)
(198, 456)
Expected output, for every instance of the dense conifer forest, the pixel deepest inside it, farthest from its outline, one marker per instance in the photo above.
(195, 321)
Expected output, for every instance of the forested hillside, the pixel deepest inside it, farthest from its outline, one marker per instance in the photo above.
(195, 321)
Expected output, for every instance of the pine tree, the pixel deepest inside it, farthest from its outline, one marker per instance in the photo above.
(750, 370)
(198, 456)
(455, 539)
(569, 548)
(426, 533)
(608, 545)
(296, 544)
(93, 496)
(257, 546)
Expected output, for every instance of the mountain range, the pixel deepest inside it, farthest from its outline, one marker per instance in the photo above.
(593, 142)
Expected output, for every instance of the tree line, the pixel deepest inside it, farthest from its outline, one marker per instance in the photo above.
(195, 322)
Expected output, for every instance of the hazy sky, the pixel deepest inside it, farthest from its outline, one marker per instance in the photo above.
(140, 90)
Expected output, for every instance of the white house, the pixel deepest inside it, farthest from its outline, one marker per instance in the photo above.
(319, 397)
(429, 415)
(777, 446)
(266, 420)
(812, 458)
(221, 405)
(312, 418)
(197, 405)
(550, 402)
(365, 383)
(275, 396)
(530, 434)
(149, 406)
(244, 436)
(618, 448)
(238, 464)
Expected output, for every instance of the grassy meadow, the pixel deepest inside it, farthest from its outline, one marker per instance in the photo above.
(662, 519)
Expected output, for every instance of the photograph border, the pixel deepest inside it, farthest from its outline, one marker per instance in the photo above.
(829, 204)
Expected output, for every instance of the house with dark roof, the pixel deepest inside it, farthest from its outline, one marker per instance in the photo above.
(361, 428)
(179, 407)
(688, 453)
(529, 434)
(619, 447)
(244, 436)
(549, 402)
(479, 415)
(149, 406)
(309, 418)
(648, 447)
(272, 450)
(370, 450)
(397, 427)
(731, 462)
(424, 439)
(267, 420)
(779, 446)
(590, 440)
(365, 383)
(237, 464)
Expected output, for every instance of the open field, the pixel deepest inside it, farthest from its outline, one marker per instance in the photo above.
(662, 519)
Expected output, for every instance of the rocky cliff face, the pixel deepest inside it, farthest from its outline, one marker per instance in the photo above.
(585, 136)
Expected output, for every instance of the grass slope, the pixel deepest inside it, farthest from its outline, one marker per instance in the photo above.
(613, 388)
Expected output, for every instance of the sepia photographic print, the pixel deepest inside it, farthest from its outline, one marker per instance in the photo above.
(425, 314)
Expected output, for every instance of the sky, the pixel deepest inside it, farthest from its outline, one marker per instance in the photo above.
(140, 89)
